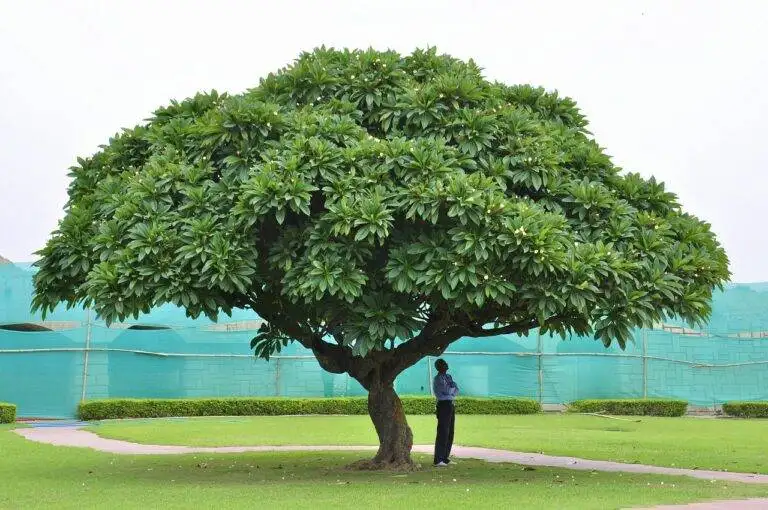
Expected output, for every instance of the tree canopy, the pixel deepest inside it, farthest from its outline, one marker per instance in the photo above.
(365, 197)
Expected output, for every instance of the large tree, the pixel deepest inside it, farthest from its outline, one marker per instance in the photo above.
(376, 208)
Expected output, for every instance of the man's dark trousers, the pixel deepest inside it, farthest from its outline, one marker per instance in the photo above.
(446, 419)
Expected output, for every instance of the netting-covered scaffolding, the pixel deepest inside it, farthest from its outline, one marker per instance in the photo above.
(47, 367)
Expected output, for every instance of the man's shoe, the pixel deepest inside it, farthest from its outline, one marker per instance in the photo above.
(441, 464)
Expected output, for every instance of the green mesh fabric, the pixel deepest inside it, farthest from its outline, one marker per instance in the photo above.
(47, 372)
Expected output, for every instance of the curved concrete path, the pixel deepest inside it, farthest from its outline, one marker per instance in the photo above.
(74, 436)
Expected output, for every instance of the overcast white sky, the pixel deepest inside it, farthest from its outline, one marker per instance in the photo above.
(673, 89)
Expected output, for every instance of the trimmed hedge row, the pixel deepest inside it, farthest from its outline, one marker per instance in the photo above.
(160, 408)
(631, 407)
(7, 413)
(746, 409)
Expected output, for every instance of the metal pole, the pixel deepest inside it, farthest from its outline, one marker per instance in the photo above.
(645, 363)
(429, 376)
(541, 370)
(277, 377)
(86, 352)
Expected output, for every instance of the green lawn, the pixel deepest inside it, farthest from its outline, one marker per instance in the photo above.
(722, 444)
(42, 476)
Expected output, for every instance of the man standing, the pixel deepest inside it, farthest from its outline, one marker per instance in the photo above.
(445, 392)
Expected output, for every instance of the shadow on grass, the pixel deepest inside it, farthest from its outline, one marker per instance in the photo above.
(309, 468)
(276, 467)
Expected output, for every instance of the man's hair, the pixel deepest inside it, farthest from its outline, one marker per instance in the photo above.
(441, 365)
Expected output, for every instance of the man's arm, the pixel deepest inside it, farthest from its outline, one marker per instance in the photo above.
(454, 387)
(442, 390)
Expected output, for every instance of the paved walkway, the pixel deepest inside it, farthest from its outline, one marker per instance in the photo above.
(74, 436)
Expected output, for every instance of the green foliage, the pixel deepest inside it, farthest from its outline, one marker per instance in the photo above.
(161, 408)
(746, 409)
(363, 196)
(469, 405)
(7, 413)
(631, 407)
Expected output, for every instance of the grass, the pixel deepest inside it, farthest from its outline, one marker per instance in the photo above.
(42, 476)
(720, 444)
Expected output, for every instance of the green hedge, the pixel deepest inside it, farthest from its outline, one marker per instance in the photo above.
(7, 413)
(746, 409)
(632, 407)
(158, 408)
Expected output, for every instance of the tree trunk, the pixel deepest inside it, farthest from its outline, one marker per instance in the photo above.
(395, 436)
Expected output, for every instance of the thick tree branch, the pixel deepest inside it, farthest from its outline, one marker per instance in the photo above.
(518, 327)
(331, 357)
(433, 339)
(440, 332)
(334, 358)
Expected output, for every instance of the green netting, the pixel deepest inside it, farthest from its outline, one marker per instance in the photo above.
(47, 372)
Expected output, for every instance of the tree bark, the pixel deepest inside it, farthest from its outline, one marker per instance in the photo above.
(395, 436)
